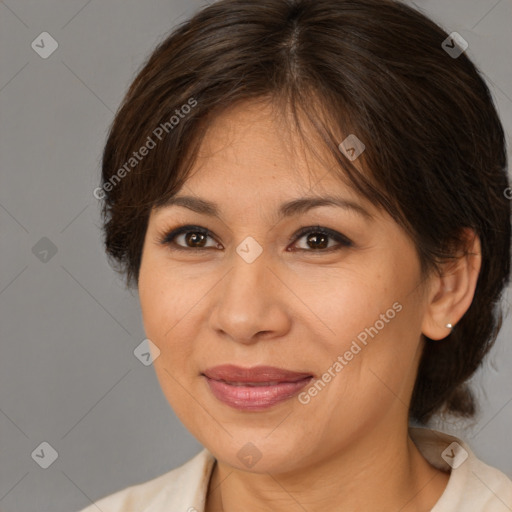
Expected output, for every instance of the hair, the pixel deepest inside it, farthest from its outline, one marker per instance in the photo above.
(435, 157)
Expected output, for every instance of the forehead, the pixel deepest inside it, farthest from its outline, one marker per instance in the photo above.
(254, 148)
(253, 162)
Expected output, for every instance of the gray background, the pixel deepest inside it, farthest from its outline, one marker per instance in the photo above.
(68, 375)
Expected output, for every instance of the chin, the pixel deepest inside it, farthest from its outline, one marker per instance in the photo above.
(258, 452)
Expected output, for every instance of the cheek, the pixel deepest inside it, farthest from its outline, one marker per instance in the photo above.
(161, 314)
(362, 381)
(169, 301)
(348, 306)
(159, 304)
(163, 296)
(164, 323)
(370, 346)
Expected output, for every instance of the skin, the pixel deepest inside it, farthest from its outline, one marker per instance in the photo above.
(348, 448)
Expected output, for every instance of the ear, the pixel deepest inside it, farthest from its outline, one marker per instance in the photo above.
(452, 292)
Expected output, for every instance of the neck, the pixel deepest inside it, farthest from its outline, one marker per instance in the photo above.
(384, 471)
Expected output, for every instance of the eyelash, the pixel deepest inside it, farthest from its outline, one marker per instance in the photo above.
(168, 238)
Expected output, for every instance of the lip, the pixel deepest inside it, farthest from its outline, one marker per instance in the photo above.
(255, 388)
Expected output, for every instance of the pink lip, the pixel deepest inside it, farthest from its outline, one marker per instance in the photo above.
(232, 385)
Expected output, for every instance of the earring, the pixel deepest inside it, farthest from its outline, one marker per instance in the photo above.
(449, 326)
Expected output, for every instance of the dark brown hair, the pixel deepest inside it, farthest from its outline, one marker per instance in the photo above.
(435, 155)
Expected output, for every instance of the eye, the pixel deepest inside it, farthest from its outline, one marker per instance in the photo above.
(194, 235)
(318, 239)
(195, 239)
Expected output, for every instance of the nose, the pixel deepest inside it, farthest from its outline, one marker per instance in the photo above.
(250, 303)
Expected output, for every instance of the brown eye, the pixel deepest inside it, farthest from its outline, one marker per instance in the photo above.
(194, 238)
(317, 239)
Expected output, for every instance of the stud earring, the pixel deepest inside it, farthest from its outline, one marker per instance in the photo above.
(449, 326)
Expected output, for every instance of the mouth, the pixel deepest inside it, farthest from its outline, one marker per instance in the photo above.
(253, 384)
(254, 389)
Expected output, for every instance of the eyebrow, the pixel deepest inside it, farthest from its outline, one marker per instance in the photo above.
(288, 209)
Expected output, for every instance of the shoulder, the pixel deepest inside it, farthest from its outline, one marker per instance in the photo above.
(487, 489)
(473, 486)
(182, 486)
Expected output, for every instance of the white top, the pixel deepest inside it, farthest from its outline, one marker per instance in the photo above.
(473, 486)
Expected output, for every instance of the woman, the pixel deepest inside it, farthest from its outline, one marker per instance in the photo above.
(310, 197)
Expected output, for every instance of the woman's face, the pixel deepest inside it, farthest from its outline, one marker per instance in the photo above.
(253, 291)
